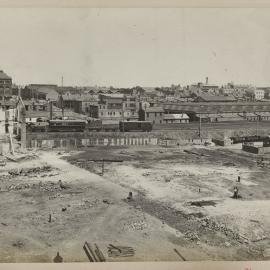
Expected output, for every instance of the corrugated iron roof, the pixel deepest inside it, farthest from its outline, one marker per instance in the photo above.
(175, 116)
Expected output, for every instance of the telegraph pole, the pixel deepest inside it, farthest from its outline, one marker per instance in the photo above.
(200, 127)
(257, 123)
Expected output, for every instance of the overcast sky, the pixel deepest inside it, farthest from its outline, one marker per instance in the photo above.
(128, 47)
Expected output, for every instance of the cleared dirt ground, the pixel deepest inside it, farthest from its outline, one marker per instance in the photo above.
(181, 199)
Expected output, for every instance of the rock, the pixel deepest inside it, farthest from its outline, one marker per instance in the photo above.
(204, 224)
(106, 201)
(227, 244)
(266, 253)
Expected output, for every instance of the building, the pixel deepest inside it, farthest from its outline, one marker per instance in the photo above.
(258, 94)
(5, 85)
(154, 115)
(5, 80)
(176, 118)
(212, 98)
(114, 107)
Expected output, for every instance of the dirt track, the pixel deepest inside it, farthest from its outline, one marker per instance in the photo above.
(160, 218)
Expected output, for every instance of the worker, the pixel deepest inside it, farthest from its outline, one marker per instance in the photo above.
(62, 185)
(6, 126)
(58, 258)
(238, 180)
(129, 196)
(235, 193)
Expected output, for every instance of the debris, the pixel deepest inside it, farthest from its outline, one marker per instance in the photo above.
(192, 236)
(120, 251)
(18, 244)
(266, 253)
(93, 255)
(136, 225)
(229, 164)
(193, 153)
(107, 201)
(203, 203)
(62, 186)
(129, 196)
(227, 244)
(178, 253)
(58, 258)
(99, 254)
(2, 163)
(64, 209)
(4, 224)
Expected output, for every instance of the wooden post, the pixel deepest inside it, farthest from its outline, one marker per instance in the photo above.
(102, 167)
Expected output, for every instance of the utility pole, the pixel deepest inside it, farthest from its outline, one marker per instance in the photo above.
(200, 127)
(102, 167)
(257, 123)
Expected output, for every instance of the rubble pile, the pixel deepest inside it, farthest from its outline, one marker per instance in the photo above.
(29, 171)
(47, 186)
(192, 236)
(137, 225)
(215, 226)
(19, 187)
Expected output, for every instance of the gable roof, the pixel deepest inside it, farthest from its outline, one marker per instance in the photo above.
(154, 109)
(4, 76)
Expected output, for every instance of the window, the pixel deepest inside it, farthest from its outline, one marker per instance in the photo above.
(160, 114)
(160, 121)
(155, 114)
(147, 114)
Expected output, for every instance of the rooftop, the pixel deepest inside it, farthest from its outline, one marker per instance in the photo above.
(4, 76)
(176, 116)
(154, 109)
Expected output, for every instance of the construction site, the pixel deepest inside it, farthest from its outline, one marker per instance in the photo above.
(154, 202)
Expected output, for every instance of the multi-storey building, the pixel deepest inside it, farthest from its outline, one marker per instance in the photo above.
(5, 85)
(114, 107)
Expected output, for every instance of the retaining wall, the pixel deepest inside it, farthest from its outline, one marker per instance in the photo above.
(81, 139)
(256, 150)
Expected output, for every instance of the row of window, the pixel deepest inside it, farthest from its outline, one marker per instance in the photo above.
(156, 114)
(113, 113)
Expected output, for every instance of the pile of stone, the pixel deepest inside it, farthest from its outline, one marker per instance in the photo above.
(19, 187)
(49, 186)
(215, 226)
(136, 225)
(28, 171)
(192, 236)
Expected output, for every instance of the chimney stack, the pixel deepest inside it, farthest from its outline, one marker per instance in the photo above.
(51, 110)
(206, 80)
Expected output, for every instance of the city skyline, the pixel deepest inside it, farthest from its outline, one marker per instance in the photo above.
(129, 47)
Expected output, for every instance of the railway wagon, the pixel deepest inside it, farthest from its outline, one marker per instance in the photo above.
(126, 126)
(246, 139)
(94, 125)
(67, 125)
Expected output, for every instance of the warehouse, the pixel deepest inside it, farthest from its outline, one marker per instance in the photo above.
(176, 118)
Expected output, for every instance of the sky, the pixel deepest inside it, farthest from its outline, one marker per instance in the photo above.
(129, 47)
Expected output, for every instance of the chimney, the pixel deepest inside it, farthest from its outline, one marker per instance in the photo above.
(206, 81)
(51, 112)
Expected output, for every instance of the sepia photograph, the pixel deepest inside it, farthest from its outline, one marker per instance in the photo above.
(134, 135)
